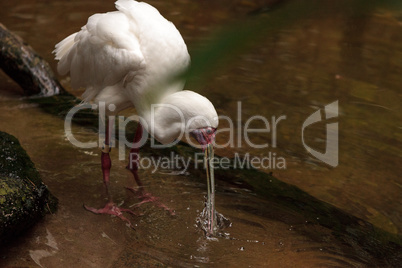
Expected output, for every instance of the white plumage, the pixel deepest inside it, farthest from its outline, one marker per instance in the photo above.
(129, 57)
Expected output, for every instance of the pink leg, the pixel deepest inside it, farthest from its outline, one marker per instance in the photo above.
(144, 196)
(110, 207)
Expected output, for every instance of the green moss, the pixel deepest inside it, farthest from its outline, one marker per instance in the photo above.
(2, 189)
(24, 198)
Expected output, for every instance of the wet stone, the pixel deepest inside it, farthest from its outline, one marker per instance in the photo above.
(24, 198)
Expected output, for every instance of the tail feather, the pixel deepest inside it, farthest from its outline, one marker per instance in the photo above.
(64, 46)
(62, 52)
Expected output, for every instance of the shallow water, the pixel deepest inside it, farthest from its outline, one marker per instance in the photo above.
(294, 72)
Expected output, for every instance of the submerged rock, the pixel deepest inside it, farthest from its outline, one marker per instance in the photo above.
(24, 198)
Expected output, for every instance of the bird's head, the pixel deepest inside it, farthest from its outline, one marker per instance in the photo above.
(182, 113)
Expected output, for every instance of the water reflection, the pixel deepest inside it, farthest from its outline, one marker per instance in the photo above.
(312, 64)
(293, 72)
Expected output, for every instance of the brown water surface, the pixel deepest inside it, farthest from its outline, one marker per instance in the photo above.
(354, 60)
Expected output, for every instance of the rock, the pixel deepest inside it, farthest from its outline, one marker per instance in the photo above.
(24, 198)
(25, 66)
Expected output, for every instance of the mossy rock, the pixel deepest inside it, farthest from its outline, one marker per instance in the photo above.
(24, 198)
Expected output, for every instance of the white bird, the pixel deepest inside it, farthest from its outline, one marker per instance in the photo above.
(130, 57)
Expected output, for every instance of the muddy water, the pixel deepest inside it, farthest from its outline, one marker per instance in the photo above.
(293, 73)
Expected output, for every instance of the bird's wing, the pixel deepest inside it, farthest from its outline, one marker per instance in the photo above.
(102, 54)
(163, 48)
